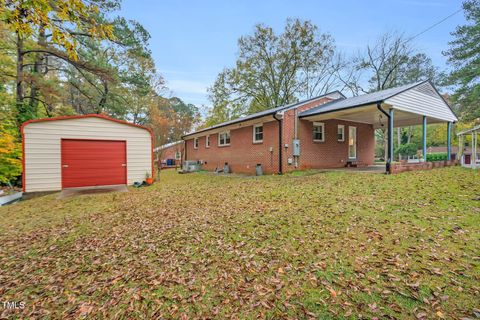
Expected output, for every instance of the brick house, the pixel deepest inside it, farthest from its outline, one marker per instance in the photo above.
(328, 131)
(170, 154)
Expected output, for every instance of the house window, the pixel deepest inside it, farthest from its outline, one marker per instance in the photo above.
(207, 142)
(178, 155)
(319, 131)
(195, 143)
(224, 138)
(341, 132)
(258, 133)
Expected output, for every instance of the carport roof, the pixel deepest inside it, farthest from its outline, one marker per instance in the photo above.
(358, 101)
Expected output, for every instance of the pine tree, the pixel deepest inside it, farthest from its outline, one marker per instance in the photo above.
(464, 57)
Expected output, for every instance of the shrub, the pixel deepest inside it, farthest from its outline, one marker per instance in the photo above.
(437, 156)
(10, 155)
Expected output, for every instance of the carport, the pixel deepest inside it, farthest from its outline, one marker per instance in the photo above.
(414, 104)
(474, 160)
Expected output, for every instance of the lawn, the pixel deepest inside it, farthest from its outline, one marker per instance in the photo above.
(299, 246)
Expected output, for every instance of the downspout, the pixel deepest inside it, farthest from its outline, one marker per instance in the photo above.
(280, 170)
(184, 151)
(295, 134)
(389, 159)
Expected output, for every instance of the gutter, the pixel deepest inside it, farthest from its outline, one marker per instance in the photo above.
(280, 170)
(389, 160)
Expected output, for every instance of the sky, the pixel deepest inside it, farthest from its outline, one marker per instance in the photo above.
(192, 41)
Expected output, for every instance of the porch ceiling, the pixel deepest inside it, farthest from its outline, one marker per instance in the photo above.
(371, 115)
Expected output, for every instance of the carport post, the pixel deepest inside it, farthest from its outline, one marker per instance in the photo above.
(390, 141)
(424, 138)
(473, 161)
(449, 141)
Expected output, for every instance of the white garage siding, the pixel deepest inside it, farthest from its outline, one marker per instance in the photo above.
(425, 100)
(42, 154)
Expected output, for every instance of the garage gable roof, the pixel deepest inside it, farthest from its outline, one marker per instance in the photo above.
(92, 115)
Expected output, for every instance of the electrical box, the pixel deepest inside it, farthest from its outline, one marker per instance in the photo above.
(296, 147)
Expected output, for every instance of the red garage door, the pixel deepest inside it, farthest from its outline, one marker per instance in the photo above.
(93, 163)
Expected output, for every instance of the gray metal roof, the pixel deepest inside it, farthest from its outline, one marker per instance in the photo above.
(263, 113)
(358, 101)
(167, 145)
(471, 130)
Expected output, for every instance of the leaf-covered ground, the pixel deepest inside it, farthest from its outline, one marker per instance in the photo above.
(304, 245)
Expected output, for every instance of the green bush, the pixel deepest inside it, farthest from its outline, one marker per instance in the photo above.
(437, 156)
(406, 150)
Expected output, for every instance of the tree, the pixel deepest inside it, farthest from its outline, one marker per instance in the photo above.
(391, 61)
(56, 26)
(464, 57)
(274, 69)
(10, 152)
(171, 118)
(132, 82)
(408, 149)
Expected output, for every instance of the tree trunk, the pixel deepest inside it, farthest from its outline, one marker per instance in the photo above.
(103, 100)
(37, 72)
(410, 134)
(19, 79)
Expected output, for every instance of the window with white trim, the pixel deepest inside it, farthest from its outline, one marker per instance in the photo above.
(258, 133)
(178, 155)
(195, 143)
(224, 138)
(341, 132)
(319, 131)
(207, 141)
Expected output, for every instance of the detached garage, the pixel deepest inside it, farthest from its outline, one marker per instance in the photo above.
(84, 151)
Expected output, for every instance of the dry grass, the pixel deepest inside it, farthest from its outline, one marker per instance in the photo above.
(326, 245)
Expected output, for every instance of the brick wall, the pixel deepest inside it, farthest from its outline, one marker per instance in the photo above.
(288, 133)
(333, 153)
(242, 155)
(169, 153)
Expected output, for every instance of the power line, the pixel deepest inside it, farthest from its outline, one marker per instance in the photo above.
(434, 25)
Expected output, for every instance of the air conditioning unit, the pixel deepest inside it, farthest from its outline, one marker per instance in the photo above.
(191, 166)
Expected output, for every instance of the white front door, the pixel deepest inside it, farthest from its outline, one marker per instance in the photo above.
(352, 142)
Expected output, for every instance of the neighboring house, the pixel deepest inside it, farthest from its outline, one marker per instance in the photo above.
(472, 159)
(328, 131)
(170, 154)
(84, 151)
(440, 149)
